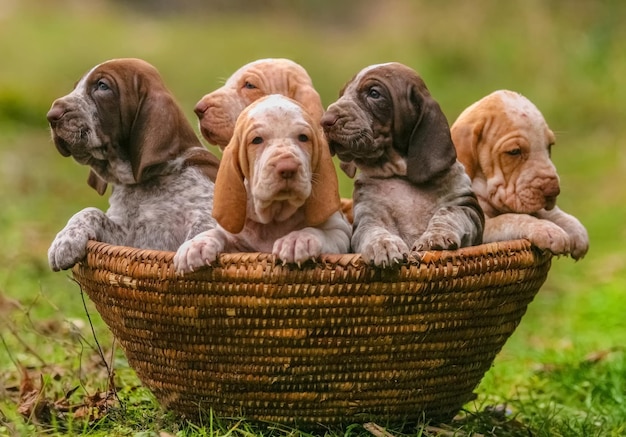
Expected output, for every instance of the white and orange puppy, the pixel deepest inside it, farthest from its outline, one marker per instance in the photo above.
(504, 143)
(276, 191)
(218, 110)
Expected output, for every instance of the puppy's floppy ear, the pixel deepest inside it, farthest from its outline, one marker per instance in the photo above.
(230, 198)
(466, 134)
(349, 168)
(201, 158)
(324, 200)
(300, 88)
(97, 183)
(430, 148)
(309, 98)
(156, 129)
(158, 134)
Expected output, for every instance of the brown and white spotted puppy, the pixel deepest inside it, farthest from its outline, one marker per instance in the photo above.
(122, 122)
(411, 193)
(276, 191)
(505, 143)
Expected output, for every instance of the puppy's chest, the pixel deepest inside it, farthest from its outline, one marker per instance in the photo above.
(397, 202)
(261, 236)
(162, 210)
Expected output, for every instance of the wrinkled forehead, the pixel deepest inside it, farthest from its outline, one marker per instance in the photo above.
(121, 69)
(276, 107)
(366, 73)
(369, 69)
(262, 65)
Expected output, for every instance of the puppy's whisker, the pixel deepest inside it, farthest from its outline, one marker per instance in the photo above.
(315, 178)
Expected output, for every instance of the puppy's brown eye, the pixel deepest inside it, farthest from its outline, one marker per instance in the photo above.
(303, 138)
(514, 152)
(550, 149)
(257, 140)
(249, 85)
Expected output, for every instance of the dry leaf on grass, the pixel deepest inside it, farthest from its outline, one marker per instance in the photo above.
(38, 408)
(95, 406)
(33, 404)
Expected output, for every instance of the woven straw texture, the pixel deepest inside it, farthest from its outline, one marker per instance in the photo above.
(328, 343)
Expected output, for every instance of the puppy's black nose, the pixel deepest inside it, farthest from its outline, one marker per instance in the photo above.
(328, 120)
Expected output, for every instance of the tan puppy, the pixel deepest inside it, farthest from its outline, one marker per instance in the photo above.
(504, 143)
(276, 191)
(218, 110)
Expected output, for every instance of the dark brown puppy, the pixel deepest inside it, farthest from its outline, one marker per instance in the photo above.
(411, 194)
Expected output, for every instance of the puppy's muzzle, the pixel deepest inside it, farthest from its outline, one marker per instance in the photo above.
(64, 132)
(287, 168)
(551, 192)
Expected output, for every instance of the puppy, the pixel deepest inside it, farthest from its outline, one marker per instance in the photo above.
(276, 191)
(505, 143)
(411, 193)
(122, 122)
(218, 111)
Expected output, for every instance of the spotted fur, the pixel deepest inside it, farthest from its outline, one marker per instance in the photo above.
(123, 124)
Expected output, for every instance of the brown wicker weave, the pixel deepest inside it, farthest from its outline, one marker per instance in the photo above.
(331, 343)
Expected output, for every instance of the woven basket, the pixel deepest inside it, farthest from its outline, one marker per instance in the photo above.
(331, 343)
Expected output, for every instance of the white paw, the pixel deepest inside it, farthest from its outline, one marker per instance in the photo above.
(578, 239)
(297, 247)
(437, 241)
(549, 236)
(579, 245)
(68, 247)
(385, 251)
(201, 251)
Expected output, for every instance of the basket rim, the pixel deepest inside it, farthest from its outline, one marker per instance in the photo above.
(468, 261)
(354, 259)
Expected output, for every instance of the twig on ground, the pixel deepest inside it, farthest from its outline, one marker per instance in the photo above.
(377, 430)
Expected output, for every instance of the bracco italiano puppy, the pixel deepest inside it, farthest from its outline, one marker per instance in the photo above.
(218, 111)
(276, 191)
(411, 193)
(505, 143)
(122, 122)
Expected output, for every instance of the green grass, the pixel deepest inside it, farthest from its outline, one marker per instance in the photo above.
(562, 373)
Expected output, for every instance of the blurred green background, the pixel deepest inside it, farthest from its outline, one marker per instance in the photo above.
(568, 57)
